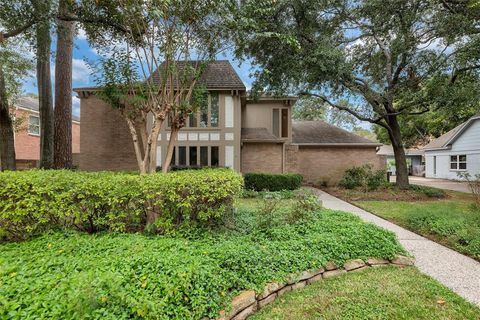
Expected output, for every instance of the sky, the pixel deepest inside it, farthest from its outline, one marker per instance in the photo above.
(81, 73)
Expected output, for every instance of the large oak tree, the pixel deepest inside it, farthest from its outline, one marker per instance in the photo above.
(377, 54)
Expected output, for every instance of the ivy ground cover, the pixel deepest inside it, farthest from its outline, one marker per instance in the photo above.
(190, 275)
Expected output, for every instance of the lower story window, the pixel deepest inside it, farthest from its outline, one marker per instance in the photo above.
(203, 156)
(458, 162)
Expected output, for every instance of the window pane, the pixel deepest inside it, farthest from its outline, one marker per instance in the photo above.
(192, 123)
(462, 165)
(276, 122)
(182, 156)
(204, 114)
(453, 158)
(214, 110)
(284, 123)
(214, 156)
(204, 156)
(453, 165)
(193, 156)
(462, 158)
(33, 125)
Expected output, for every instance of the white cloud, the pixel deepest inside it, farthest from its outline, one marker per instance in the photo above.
(81, 34)
(80, 71)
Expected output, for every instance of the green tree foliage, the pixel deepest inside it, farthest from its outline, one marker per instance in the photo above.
(380, 55)
(310, 109)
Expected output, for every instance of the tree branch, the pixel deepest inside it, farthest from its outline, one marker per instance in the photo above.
(16, 32)
(357, 115)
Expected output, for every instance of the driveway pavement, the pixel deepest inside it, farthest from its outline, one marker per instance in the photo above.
(454, 270)
(439, 183)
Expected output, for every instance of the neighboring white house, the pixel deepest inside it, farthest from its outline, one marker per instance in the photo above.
(456, 151)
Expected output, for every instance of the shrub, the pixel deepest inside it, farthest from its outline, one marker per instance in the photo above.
(32, 202)
(363, 177)
(473, 182)
(429, 191)
(131, 276)
(272, 181)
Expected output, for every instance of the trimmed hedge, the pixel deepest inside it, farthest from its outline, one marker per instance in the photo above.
(272, 181)
(32, 202)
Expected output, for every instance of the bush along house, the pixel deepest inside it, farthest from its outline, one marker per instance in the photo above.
(230, 130)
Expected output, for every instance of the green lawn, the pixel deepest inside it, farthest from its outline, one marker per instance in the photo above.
(376, 293)
(453, 221)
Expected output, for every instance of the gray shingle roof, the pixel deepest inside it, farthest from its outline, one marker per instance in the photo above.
(259, 135)
(387, 150)
(322, 133)
(31, 103)
(444, 140)
(218, 74)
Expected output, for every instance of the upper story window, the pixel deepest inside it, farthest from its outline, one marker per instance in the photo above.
(207, 115)
(280, 122)
(34, 125)
(458, 162)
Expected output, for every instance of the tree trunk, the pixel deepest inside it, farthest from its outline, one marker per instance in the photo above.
(171, 145)
(152, 146)
(44, 84)
(63, 91)
(137, 145)
(399, 152)
(7, 142)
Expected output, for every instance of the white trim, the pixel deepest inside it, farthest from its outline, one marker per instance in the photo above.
(229, 121)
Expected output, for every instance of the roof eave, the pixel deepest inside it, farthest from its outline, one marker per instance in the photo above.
(339, 144)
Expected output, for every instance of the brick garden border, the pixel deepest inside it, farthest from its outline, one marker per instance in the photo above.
(248, 302)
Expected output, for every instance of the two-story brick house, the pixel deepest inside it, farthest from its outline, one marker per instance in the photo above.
(27, 135)
(231, 130)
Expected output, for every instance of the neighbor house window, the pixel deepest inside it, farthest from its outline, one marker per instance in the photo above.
(284, 123)
(458, 162)
(276, 122)
(204, 156)
(214, 156)
(193, 156)
(34, 125)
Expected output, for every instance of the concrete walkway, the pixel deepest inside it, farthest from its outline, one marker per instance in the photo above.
(454, 270)
(439, 183)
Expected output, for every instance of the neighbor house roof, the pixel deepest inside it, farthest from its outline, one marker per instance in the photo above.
(324, 134)
(31, 103)
(259, 135)
(387, 150)
(446, 140)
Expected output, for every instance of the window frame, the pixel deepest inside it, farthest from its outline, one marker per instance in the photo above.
(30, 125)
(455, 160)
(279, 128)
(198, 114)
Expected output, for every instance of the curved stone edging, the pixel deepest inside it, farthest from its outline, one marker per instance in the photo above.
(248, 302)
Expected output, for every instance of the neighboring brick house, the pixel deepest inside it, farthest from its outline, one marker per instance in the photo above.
(232, 130)
(27, 135)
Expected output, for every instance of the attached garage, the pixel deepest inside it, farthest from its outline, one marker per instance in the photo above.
(326, 151)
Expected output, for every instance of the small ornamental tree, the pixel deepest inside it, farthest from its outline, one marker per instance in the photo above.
(150, 70)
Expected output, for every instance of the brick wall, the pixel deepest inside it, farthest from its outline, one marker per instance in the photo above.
(27, 146)
(291, 158)
(106, 143)
(326, 165)
(262, 157)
